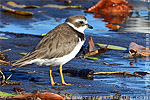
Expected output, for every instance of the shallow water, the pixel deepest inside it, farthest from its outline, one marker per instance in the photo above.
(138, 23)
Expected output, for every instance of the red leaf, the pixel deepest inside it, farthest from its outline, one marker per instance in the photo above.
(48, 95)
(109, 6)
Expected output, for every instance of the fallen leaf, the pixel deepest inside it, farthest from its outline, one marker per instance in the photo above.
(91, 44)
(23, 53)
(111, 46)
(92, 58)
(136, 50)
(92, 53)
(6, 94)
(61, 7)
(46, 95)
(24, 96)
(13, 4)
(111, 6)
(19, 12)
(31, 6)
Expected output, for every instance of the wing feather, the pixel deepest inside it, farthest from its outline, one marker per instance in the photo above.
(58, 42)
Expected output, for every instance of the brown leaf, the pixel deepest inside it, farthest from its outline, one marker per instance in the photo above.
(19, 12)
(46, 95)
(24, 96)
(13, 4)
(113, 26)
(91, 44)
(138, 50)
(110, 6)
(31, 6)
(92, 53)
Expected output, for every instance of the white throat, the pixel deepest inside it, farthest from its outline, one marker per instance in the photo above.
(80, 29)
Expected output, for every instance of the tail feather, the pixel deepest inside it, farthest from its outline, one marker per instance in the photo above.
(18, 64)
(23, 61)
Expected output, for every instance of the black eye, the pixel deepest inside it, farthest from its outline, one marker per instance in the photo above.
(81, 22)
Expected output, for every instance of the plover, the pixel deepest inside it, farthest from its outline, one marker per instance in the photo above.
(59, 46)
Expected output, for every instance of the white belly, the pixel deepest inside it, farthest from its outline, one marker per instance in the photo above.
(60, 60)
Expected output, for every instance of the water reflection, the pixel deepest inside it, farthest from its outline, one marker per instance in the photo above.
(136, 21)
(114, 20)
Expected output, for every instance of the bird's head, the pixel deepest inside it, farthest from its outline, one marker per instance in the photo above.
(78, 22)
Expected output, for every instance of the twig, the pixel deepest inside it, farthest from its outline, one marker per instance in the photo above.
(5, 50)
(3, 76)
(114, 73)
(4, 62)
(5, 81)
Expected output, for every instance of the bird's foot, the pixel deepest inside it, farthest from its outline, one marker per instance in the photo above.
(54, 83)
(66, 84)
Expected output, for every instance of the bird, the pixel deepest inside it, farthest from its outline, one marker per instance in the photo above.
(58, 46)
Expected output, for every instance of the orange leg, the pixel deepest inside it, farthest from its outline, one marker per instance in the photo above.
(51, 77)
(62, 78)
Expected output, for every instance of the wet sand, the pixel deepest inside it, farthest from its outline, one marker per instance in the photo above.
(99, 86)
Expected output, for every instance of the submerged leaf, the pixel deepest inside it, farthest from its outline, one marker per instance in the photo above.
(13, 4)
(61, 7)
(31, 6)
(19, 12)
(23, 53)
(111, 46)
(25, 13)
(92, 58)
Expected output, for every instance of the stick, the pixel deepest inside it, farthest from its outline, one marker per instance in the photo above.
(117, 72)
(5, 50)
